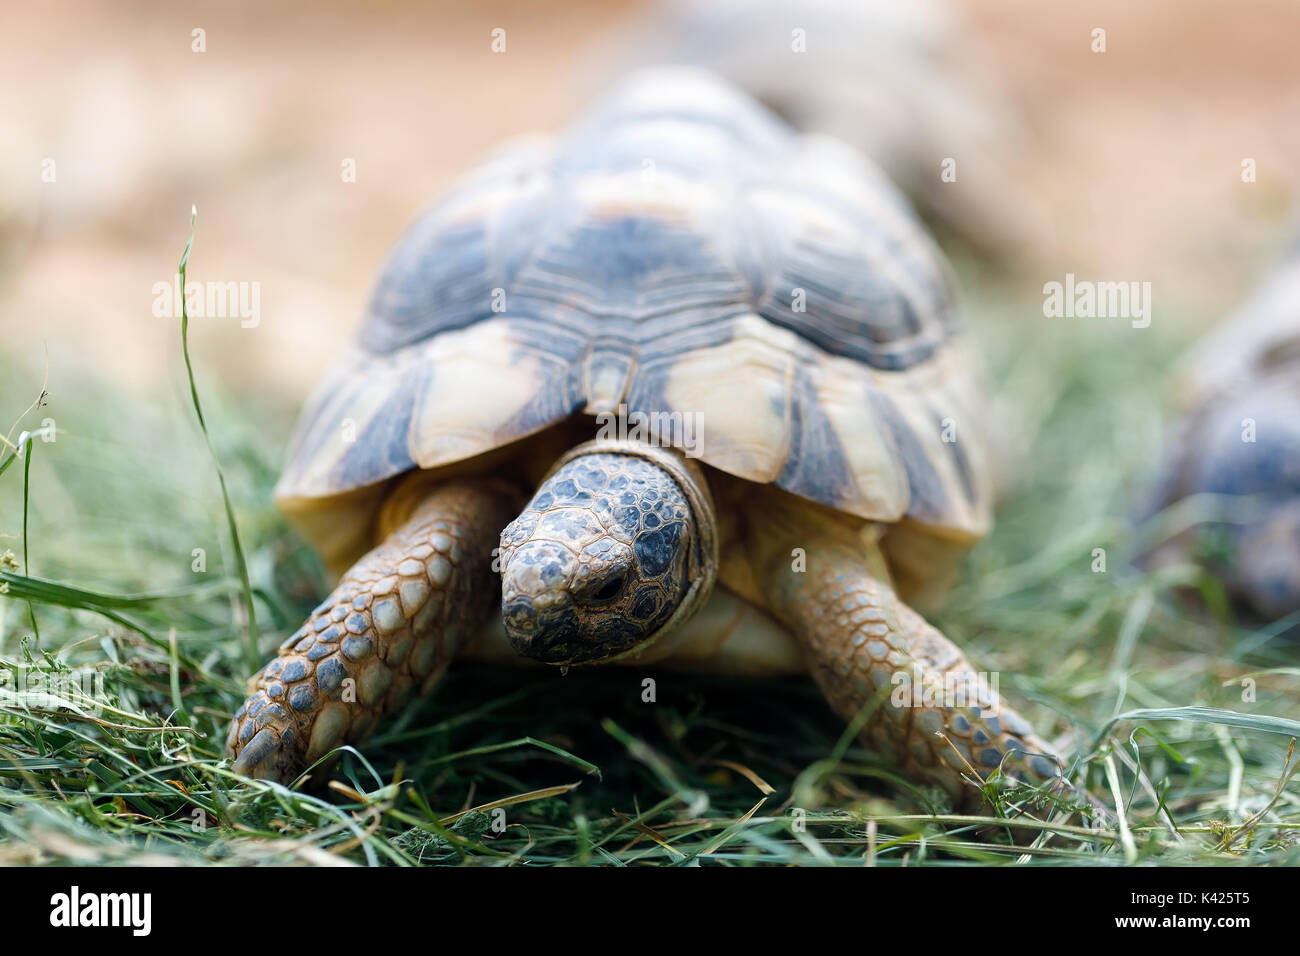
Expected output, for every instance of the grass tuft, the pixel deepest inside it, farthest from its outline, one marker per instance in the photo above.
(250, 623)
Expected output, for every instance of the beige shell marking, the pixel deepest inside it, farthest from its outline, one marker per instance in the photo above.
(744, 385)
(842, 391)
(480, 383)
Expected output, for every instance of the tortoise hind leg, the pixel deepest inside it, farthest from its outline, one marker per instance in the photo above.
(931, 713)
(388, 630)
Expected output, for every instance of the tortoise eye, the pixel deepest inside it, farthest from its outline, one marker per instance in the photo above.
(608, 589)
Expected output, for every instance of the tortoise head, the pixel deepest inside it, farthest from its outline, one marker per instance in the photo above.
(615, 549)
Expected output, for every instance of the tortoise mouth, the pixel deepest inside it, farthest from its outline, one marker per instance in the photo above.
(544, 637)
(559, 636)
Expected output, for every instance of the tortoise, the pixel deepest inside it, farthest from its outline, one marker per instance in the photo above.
(1238, 436)
(679, 387)
(903, 82)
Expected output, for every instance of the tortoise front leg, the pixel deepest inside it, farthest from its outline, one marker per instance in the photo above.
(932, 715)
(390, 628)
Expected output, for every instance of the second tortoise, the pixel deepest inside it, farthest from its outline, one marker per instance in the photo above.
(1236, 451)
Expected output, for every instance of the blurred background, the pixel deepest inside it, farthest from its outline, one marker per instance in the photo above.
(1126, 164)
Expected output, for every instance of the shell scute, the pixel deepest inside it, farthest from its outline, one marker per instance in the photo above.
(680, 252)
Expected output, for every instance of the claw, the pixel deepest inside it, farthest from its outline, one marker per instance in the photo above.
(255, 759)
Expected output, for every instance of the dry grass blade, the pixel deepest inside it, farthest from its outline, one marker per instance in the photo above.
(532, 795)
(763, 786)
(1247, 828)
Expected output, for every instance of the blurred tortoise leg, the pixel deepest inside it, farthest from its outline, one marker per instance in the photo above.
(389, 629)
(866, 648)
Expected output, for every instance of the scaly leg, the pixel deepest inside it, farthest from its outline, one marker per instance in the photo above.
(867, 648)
(390, 628)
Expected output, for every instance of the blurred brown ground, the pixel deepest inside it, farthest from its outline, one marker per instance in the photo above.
(1135, 164)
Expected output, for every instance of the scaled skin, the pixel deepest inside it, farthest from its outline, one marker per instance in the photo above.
(873, 655)
(591, 569)
(387, 631)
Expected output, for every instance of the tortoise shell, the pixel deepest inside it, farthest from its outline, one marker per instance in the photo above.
(678, 250)
(1260, 339)
(1238, 436)
(903, 82)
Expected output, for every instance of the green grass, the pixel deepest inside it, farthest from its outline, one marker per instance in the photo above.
(717, 772)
